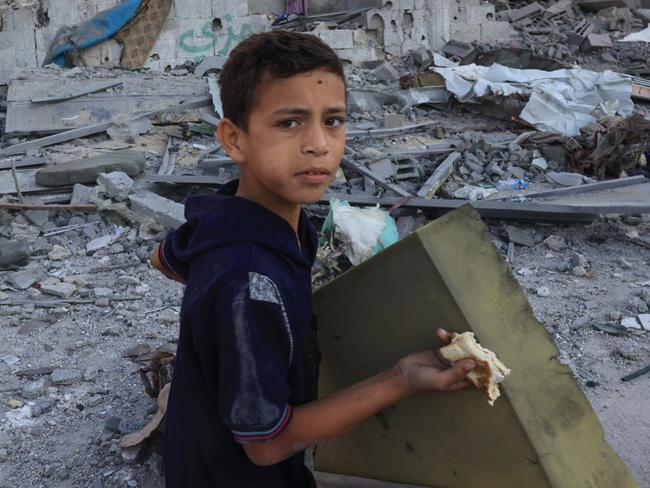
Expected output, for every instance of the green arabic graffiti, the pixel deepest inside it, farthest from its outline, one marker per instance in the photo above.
(187, 40)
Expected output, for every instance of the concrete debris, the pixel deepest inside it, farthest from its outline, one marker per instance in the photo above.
(53, 286)
(146, 204)
(117, 184)
(13, 253)
(87, 170)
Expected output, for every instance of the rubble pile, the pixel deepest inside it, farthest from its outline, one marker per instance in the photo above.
(95, 165)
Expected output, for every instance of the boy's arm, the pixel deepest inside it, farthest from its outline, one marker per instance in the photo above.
(341, 412)
(157, 263)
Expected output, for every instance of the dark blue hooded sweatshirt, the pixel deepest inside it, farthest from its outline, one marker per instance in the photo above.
(247, 351)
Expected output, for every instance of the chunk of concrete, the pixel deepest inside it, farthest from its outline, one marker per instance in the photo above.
(81, 194)
(52, 286)
(146, 204)
(62, 377)
(22, 279)
(86, 170)
(386, 73)
(38, 217)
(117, 184)
(13, 253)
(449, 272)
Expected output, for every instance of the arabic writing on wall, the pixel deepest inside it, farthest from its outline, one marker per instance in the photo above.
(209, 39)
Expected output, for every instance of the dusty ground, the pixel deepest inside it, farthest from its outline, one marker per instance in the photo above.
(72, 441)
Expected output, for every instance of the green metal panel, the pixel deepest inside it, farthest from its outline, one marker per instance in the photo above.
(541, 433)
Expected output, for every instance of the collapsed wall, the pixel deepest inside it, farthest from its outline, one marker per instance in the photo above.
(195, 29)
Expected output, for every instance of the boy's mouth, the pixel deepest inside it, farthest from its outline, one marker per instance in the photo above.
(314, 175)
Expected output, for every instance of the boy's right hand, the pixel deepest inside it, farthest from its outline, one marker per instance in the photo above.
(429, 371)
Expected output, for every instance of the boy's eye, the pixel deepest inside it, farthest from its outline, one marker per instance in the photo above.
(335, 121)
(288, 124)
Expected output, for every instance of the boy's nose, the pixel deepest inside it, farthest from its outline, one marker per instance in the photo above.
(315, 142)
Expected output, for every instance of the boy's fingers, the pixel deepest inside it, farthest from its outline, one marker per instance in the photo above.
(456, 374)
(445, 336)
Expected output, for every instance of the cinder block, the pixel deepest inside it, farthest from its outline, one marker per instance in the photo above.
(541, 433)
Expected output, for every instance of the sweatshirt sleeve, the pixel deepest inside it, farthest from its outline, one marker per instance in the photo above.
(170, 250)
(255, 353)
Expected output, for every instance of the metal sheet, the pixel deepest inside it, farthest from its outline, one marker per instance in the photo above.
(541, 433)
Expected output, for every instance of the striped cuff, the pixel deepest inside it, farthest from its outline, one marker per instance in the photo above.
(266, 435)
(163, 259)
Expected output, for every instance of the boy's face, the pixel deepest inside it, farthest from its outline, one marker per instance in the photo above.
(295, 138)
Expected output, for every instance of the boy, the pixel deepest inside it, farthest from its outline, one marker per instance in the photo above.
(243, 404)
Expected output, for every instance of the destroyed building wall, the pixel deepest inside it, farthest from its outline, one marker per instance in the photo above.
(199, 28)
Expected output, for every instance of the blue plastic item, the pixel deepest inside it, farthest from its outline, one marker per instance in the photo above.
(102, 26)
(512, 184)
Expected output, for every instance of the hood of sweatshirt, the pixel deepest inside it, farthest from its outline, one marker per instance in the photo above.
(213, 221)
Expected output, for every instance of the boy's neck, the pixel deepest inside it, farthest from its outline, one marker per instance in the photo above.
(287, 210)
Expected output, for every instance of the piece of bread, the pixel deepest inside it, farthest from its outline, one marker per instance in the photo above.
(489, 371)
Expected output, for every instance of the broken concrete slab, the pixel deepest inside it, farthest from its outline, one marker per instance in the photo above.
(81, 194)
(52, 286)
(527, 11)
(13, 253)
(146, 204)
(86, 170)
(386, 73)
(117, 184)
(547, 433)
(22, 280)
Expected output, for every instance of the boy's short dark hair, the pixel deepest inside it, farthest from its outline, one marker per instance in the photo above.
(270, 55)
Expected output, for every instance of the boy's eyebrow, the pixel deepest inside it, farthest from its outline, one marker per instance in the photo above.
(304, 111)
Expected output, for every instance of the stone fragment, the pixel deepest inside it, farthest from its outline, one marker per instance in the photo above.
(644, 319)
(103, 292)
(58, 253)
(38, 217)
(22, 279)
(146, 204)
(62, 377)
(579, 271)
(540, 164)
(81, 194)
(526, 11)
(99, 243)
(386, 73)
(393, 121)
(86, 170)
(52, 286)
(543, 292)
(520, 236)
(630, 323)
(556, 243)
(34, 389)
(24, 232)
(117, 184)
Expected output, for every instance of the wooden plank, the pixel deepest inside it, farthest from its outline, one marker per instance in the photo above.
(542, 432)
(92, 87)
(439, 176)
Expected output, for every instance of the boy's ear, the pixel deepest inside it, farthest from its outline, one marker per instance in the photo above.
(231, 138)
